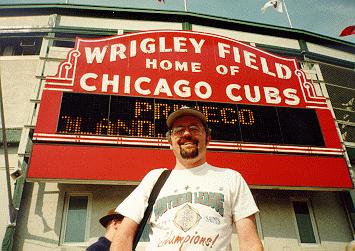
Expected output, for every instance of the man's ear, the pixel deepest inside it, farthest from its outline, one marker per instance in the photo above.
(168, 137)
(170, 143)
(208, 139)
(116, 223)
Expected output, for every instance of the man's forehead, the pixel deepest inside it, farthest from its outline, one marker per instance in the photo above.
(187, 120)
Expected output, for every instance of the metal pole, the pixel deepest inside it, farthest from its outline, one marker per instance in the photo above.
(12, 209)
(288, 16)
(185, 5)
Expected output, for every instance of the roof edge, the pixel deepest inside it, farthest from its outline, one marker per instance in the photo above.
(179, 16)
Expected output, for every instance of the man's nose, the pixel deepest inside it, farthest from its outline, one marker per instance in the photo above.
(187, 131)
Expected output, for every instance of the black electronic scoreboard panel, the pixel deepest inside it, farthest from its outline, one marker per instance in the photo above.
(109, 115)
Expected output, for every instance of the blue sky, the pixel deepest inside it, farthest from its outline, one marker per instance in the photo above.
(326, 17)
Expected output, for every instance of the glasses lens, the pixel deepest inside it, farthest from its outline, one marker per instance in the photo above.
(180, 130)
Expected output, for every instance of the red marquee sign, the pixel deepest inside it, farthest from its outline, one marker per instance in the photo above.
(184, 65)
(110, 98)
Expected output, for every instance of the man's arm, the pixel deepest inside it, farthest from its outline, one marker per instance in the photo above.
(123, 239)
(248, 235)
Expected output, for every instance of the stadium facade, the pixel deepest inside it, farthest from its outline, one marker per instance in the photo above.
(86, 90)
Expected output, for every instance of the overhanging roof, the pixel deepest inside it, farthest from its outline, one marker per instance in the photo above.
(175, 16)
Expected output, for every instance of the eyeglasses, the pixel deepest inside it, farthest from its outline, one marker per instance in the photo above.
(180, 130)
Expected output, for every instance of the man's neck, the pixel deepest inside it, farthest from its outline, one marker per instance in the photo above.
(188, 163)
(109, 234)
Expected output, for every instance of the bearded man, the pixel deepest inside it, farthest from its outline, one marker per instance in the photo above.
(199, 203)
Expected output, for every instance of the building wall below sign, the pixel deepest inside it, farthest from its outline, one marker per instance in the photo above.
(41, 225)
(279, 228)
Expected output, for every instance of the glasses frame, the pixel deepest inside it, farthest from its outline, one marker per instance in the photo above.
(180, 130)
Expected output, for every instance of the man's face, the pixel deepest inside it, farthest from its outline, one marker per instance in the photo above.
(188, 138)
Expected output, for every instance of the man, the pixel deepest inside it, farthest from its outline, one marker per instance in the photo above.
(110, 222)
(198, 204)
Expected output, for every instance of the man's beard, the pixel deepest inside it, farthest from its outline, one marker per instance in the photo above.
(190, 153)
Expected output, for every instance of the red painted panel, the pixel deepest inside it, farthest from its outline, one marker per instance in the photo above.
(49, 112)
(71, 162)
(329, 130)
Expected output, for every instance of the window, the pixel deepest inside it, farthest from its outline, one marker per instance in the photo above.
(27, 44)
(305, 222)
(76, 218)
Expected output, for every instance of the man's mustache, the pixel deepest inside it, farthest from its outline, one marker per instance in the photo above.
(187, 138)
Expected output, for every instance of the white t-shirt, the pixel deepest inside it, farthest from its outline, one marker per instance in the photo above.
(195, 208)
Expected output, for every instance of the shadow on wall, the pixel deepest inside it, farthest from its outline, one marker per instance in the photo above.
(24, 217)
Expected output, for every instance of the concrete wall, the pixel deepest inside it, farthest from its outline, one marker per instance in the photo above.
(279, 225)
(40, 222)
(119, 24)
(326, 51)
(17, 80)
(4, 202)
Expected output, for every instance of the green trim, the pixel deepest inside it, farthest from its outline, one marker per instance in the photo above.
(187, 26)
(23, 32)
(329, 60)
(280, 50)
(13, 135)
(351, 154)
(176, 16)
(17, 32)
(8, 240)
(20, 182)
(84, 30)
(303, 45)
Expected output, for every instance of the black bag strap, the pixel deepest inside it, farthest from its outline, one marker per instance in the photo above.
(153, 196)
